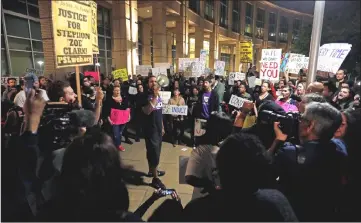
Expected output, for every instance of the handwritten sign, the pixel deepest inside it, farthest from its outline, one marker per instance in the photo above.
(251, 81)
(270, 64)
(132, 90)
(175, 110)
(94, 30)
(219, 67)
(235, 76)
(35, 71)
(165, 96)
(246, 52)
(188, 64)
(72, 31)
(295, 63)
(199, 127)
(143, 69)
(93, 74)
(121, 73)
(236, 101)
(331, 56)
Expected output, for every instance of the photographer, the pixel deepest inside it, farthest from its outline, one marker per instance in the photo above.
(309, 175)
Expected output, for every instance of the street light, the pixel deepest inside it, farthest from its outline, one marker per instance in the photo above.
(315, 40)
(97, 64)
(40, 64)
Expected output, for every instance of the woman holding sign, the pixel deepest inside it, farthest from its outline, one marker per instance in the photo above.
(118, 113)
(177, 121)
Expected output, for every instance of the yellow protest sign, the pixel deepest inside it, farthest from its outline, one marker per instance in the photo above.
(94, 22)
(246, 52)
(121, 73)
(72, 29)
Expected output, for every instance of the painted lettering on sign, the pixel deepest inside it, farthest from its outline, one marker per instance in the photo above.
(270, 64)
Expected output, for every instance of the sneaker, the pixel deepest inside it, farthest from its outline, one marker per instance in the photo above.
(157, 183)
(160, 173)
(121, 148)
(128, 141)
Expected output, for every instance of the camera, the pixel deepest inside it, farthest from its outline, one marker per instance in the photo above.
(55, 127)
(288, 123)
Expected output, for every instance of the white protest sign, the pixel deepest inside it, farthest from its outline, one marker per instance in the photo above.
(258, 82)
(295, 63)
(236, 101)
(199, 127)
(186, 63)
(165, 96)
(270, 64)
(159, 70)
(175, 110)
(166, 65)
(143, 69)
(132, 90)
(219, 67)
(235, 76)
(331, 56)
(251, 81)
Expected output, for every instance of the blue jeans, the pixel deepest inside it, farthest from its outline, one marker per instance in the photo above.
(117, 133)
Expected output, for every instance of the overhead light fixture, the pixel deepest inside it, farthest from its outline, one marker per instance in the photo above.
(97, 64)
(148, 10)
(40, 62)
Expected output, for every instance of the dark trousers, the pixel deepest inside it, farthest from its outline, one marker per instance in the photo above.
(138, 125)
(117, 133)
(153, 144)
(177, 130)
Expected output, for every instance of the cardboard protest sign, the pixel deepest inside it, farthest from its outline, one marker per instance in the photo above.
(295, 63)
(185, 63)
(331, 56)
(251, 81)
(132, 90)
(35, 71)
(175, 110)
(165, 96)
(121, 73)
(246, 52)
(284, 61)
(219, 67)
(236, 101)
(270, 64)
(94, 30)
(159, 70)
(93, 74)
(235, 76)
(199, 127)
(72, 31)
(4, 80)
(143, 69)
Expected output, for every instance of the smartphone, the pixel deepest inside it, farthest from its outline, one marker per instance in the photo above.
(167, 192)
(29, 83)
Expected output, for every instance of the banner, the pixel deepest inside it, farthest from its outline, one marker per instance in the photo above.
(236, 101)
(143, 70)
(199, 127)
(235, 76)
(246, 52)
(132, 90)
(165, 96)
(295, 63)
(219, 67)
(331, 56)
(175, 110)
(94, 21)
(93, 74)
(270, 64)
(120, 73)
(72, 31)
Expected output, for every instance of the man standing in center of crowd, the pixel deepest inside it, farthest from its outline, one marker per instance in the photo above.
(153, 130)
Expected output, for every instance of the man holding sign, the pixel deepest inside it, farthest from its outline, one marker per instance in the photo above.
(153, 130)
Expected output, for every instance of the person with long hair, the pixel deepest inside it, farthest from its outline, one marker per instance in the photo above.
(265, 94)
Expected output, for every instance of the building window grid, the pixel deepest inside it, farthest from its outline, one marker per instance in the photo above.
(209, 10)
(105, 53)
(223, 18)
(249, 20)
(35, 54)
(272, 27)
(260, 23)
(296, 29)
(235, 16)
(194, 5)
(283, 33)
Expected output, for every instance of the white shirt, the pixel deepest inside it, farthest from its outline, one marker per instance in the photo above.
(21, 97)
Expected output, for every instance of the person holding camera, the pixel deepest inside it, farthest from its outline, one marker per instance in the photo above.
(153, 130)
(309, 174)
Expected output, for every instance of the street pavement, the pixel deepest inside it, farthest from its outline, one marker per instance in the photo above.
(135, 155)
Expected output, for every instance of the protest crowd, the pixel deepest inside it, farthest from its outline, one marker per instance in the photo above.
(262, 150)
